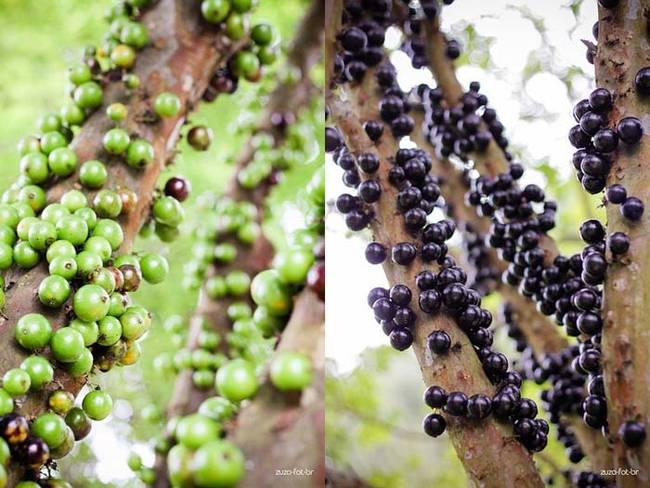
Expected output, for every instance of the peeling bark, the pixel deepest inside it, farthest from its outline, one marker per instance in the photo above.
(183, 55)
(622, 51)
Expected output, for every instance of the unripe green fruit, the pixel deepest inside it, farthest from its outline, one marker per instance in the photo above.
(123, 56)
(100, 246)
(34, 196)
(293, 265)
(16, 382)
(33, 331)
(168, 211)
(89, 215)
(62, 161)
(89, 95)
(35, 167)
(6, 256)
(54, 212)
(25, 256)
(79, 74)
(41, 235)
(98, 405)
(154, 268)
(72, 229)
(40, 371)
(107, 204)
(236, 380)
(116, 141)
(139, 153)
(73, 200)
(61, 401)
(195, 430)
(167, 104)
(110, 331)
(88, 330)
(134, 34)
(88, 263)
(218, 463)
(54, 291)
(117, 112)
(49, 123)
(51, 141)
(66, 267)
(6, 403)
(82, 366)
(67, 345)
(267, 289)
(72, 114)
(60, 249)
(263, 34)
(291, 371)
(215, 11)
(111, 231)
(51, 428)
(236, 26)
(93, 174)
(91, 303)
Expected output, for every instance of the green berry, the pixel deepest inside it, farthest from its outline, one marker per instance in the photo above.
(88, 262)
(135, 34)
(78, 422)
(61, 401)
(104, 278)
(54, 291)
(16, 382)
(215, 11)
(91, 303)
(195, 430)
(89, 95)
(49, 123)
(110, 331)
(134, 324)
(34, 196)
(263, 34)
(167, 104)
(116, 141)
(216, 287)
(79, 74)
(82, 366)
(54, 212)
(72, 229)
(88, 330)
(6, 403)
(107, 204)
(62, 161)
(291, 371)
(41, 235)
(40, 371)
(218, 463)
(117, 112)
(9, 216)
(154, 268)
(51, 141)
(97, 404)
(34, 166)
(7, 235)
(134, 462)
(73, 200)
(139, 153)
(293, 265)
(236, 26)
(65, 267)
(111, 231)
(179, 469)
(166, 233)
(267, 289)
(267, 55)
(100, 246)
(72, 114)
(29, 144)
(23, 210)
(51, 428)
(67, 344)
(245, 64)
(6, 256)
(218, 409)
(89, 215)
(132, 81)
(236, 380)
(225, 253)
(168, 211)
(93, 174)
(238, 283)
(60, 249)
(25, 256)
(123, 56)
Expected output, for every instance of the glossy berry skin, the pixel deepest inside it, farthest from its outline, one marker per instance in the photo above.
(291, 371)
(632, 433)
(91, 303)
(34, 453)
(376, 253)
(616, 194)
(456, 403)
(200, 138)
(403, 253)
(51, 428)
(642, 81)
(54, 291)
(215, 11)
(139, 153)
(16, 382)
(218, 463)
(434, 424)
(14, 428)
(479, 406)
(79, 422)
(630, 130)
(618, 243)
(592, 231)
(167, 104)
(439, 342)
(97, 404)
(33, 331)
(401, 338)
(178, 188)
(236, 380)
(154, 268)
(88, 95)
(116, 141)
(435, 397)
(67, 345)
(600, 100)
(632, 209)
(605, 140)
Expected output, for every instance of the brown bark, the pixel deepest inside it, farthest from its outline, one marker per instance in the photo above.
(622, 51)
(283, 432)
(183, 55)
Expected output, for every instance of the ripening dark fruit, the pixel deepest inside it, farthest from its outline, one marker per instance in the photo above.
(630, 130)
(401, 338)
(452, 49)
(373, 129)
(456, 403)
(434, 424)
(403, 253)
(632, 433)
(14, 428)
(400, 295)
(177, 187)
(354, 39)
(479, 406)
(34, 453)
(592, 231)
(608, 3)
(616, 194)
(368, 162)
(78, 422)
(439, 342)
(200, 137)
(333, 139)
(605, 140)
(600, 100)
(435, 396)
(376, 253)
(618, 243)
(132, 277)
(430, 301)
(642, 81)
(632, 209)
(316, 279)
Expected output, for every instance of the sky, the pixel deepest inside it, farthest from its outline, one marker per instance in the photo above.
(350, 325)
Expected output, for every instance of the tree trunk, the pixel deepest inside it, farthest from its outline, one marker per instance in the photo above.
(622, 51)
(182, 57)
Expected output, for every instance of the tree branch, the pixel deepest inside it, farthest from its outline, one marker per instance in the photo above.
(622, 51)
(182, 57)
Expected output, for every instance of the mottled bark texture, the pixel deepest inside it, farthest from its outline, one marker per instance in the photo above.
(622, 51)
(282, 434)
(182, 56)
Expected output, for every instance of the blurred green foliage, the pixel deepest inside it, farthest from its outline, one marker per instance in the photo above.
(39, 39)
